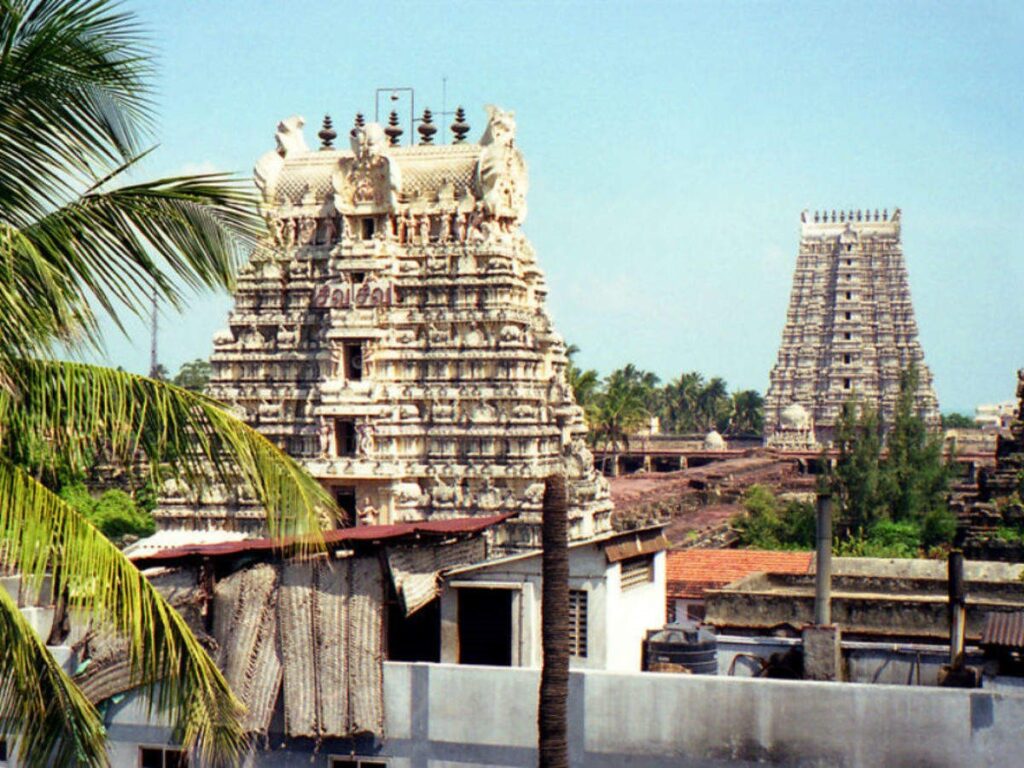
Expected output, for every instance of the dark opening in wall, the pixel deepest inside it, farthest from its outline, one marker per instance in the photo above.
(345, 496)
(485, 626)
(416, 637)
(369, 227)
(354, 361)
(345, 437)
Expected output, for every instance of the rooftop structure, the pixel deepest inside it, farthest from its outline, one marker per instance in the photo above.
(392, 336)
(850, 329)
(872, 598)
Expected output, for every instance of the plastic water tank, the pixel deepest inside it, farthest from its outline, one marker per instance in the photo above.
(681, 649)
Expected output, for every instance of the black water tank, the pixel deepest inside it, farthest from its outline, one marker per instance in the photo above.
(693, 650)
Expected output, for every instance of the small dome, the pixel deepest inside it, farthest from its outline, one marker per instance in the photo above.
(714, 441)
(795, 416)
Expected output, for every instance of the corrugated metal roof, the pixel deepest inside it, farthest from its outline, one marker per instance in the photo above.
(1004, 629)
(691, 572)
(360, 533)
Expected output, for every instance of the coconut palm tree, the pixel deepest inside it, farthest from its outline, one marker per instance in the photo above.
(585, 385)
(621, 411)
(78, 240)
(681, 402)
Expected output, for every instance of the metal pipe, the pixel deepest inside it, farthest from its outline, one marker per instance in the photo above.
(957, 608)
(823, 563)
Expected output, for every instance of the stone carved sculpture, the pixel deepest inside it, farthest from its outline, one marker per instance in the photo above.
(464, 409)
(501, 173)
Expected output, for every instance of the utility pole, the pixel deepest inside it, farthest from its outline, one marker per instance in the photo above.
(154, 365)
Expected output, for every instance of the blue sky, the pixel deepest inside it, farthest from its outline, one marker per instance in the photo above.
(671, 149)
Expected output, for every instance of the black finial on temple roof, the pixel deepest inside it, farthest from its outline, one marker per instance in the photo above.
(426, 128)
(360, 123)
(327, 134)
(393, 131)
(460, 127)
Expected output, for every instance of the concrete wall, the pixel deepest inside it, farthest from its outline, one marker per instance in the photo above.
(631, 613)
(443, 715)
(451, 716)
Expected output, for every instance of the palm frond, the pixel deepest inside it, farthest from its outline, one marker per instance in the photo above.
(72, 409)
(40, 531)
(73, 97)
(117, 246)
(53, 722)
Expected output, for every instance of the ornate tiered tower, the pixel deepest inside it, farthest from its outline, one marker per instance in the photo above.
(849, 331)
(392, 334)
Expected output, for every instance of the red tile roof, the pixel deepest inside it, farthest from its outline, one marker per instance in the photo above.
(691, 572)
(364, 533)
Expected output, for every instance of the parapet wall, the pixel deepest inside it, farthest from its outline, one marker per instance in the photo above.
(476, 716)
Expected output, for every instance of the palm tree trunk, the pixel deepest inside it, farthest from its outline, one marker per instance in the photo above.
(552, 723)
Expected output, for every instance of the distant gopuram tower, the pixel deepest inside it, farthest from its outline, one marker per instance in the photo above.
(392, 334)
(849, 331)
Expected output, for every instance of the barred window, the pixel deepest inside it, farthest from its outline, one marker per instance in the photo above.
(637, 571)
(578, 622)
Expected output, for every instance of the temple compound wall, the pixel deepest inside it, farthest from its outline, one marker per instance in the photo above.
(391, 334)
(849, 332)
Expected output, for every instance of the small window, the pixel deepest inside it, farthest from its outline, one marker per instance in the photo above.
(847, 384)
(345, 437)
(369, 227)
(354, 362)
(847, 359)
(578, 622)
(358, 277)
(161, 757)
(637, 571)
(847, 315)
(847, 336)
(849, 295)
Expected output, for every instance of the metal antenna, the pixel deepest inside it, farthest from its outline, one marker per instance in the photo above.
(153, 362)
(393, 95)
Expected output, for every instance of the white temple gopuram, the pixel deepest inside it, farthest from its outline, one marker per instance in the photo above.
(850, 329)
(391, 335)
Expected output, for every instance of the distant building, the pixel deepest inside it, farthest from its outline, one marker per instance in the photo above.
(996, 415)
(850, 330)
(690, 573)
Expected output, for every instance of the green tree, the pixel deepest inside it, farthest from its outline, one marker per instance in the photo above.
(620, 411)
(713, 405)
(914, 479)
(957, 421)
(680, 409)
(585, 386)
(747, 413)
(855, 478)
(115, 513)
(767, 523)
(76, 239)
(194, 375)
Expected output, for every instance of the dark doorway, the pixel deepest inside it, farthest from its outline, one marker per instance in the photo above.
(369, 227)
(345, 495)
(416, 637)
(485, 627)
(345, 437)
